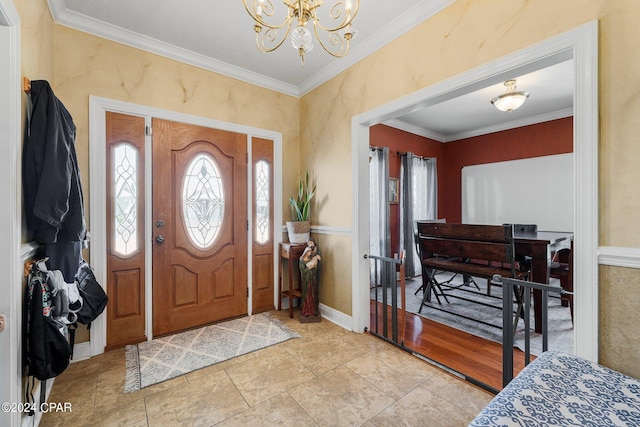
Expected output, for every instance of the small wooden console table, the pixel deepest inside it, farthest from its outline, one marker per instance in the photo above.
(292, 253)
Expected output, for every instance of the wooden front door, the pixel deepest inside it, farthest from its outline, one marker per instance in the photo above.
(263, 234)
(199, 226)
(125, 212)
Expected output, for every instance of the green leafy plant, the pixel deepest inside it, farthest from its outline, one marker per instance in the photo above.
(300, 207)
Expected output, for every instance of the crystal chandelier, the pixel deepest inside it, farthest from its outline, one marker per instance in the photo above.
(338, 34)
(511, 100)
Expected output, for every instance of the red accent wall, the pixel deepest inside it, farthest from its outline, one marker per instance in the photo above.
(543, 139)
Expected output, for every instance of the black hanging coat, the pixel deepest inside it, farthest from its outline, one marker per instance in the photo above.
(53, 197)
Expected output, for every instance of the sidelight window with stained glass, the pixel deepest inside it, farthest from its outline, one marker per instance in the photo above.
(125, 213)
(262, 177)
(203, 200)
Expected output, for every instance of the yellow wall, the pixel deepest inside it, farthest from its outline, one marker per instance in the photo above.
(467, 34)
(86, 65)
(37, 36)
(619, 319)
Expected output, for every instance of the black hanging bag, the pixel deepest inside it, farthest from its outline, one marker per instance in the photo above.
(47, 350)
(94, 299)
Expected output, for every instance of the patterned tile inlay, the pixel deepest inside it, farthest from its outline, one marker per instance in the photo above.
(164, 358)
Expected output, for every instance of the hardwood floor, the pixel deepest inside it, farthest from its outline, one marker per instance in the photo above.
(477, 359)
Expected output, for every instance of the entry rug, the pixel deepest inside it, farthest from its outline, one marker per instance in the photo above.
(164, 358)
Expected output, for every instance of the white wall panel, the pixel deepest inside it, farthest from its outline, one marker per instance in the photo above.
(538, 191)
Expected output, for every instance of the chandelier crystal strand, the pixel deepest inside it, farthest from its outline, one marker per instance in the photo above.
(302, 41)
(300, 12)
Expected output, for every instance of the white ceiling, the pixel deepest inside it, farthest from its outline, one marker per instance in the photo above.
(218, 35)
(472, 114)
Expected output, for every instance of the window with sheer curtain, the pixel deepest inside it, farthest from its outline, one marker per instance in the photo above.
(418, 201)
(379, 225)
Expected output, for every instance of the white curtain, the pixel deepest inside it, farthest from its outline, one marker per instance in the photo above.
(379, 225)
(418, 201)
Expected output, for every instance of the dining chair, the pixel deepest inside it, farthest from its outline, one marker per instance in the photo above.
(423, 287)
(561, 268)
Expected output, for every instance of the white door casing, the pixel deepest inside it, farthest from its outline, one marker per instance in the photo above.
(10, 212)
(97, 171)
(580, 44)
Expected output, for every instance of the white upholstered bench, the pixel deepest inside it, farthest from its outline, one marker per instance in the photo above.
(559, 389)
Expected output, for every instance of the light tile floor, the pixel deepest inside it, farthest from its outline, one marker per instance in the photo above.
(328, 377)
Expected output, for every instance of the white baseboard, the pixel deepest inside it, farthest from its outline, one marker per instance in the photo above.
(335, 316)
(81, 351)
(330, 314)
(30, 421)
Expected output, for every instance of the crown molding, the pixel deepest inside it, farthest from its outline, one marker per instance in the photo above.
(396, 28)
(57, 8)
(390, 32)
(526, 121)
(417, 130)
(8, 14)
(121, 35)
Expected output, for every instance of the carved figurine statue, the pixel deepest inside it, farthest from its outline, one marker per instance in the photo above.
(309, 266)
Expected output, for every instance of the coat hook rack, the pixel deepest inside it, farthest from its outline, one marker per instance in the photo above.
(26, 85)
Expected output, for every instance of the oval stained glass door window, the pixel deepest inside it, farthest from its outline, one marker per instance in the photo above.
(202, 201)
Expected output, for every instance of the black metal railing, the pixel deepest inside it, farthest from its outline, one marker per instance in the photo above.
(510, 318)
(389, 315)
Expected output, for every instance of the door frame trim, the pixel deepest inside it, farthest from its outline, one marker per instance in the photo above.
(582, 43)
(11, 108)
(98, 107)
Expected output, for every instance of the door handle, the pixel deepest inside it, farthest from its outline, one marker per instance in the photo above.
(160, 238)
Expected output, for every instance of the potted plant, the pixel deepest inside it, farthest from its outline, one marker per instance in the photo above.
(299, 227)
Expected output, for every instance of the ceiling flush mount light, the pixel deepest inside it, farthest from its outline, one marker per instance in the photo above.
(335, 39)
(511, 100)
